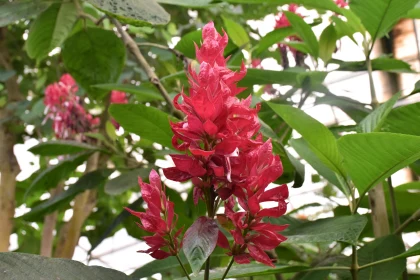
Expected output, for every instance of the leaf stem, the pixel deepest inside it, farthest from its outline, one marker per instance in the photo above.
(354, 266)
(413, 218)
(183, 267)
(227, 269)
(376, 263)
(371, 83)
(328, 268)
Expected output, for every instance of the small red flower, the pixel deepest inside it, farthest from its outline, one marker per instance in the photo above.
(159, 219)
(117, 97)
(341, 3)
(63, 106)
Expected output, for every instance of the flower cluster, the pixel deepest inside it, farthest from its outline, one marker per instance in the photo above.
(224, 154)
(64, 108)
(283, 22)
(117, 97)
(159, 219)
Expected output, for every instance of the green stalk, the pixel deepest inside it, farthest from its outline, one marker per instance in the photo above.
(227, 269)
(183, 267)
(354, 266)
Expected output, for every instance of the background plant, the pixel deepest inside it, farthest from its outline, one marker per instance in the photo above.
(129, 47)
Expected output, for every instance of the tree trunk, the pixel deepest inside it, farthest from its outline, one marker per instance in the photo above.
(83, 206)
(50, 222)
(9, 167)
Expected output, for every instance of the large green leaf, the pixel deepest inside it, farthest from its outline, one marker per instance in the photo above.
(19, 9)
(94, 179)
(353, 108)
(148, 122)
(345, 229)
(247, 270)
(134, 12)
(126, 181)
(404, 120)
(378, 64)
(186, 44)
(374, 121)
(302, 148)
(381, 248)
(187, 3)
(61, 147)
(159, 266)
(271, 38)
(319, 138)
(50, 29)
(20, 266)
(94, 56)
(378, 16)
(304, 31)
(327, 43)
(236, 32)
(318, 4)
(291, 76)
(144, 92)
(369, 158)
(50, 177)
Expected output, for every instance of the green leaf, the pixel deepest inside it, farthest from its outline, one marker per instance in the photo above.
(378, 16)
(378, 64)
(50, 29)
(94, 56)
(158, 266)
(126, 181)
(144, 92)
(236, 33)
(302, 148)
(134, 12)
(50, 177)
(319, 138)
(110, 131)
(61, 147)
(327, 43)
(374, 121)
(369, 158)
(291, 76)
(199, 242)
(318, 4)
(187, 3)
(353, 108)
(91, 180)
(304, 31)
(271, 38)
(148, 122)
(247, 270)
(6, 74)
(376, 250)
(186, 44)
(21, 266)
(404, 120)
(413, 251)
(17, 10)
(344, 229)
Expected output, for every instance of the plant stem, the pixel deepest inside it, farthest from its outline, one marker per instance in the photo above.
(371, 83)
(395, 216)
(227, 270)
(183, 267)
(376, 263)
(132, 46)
(413, 218)
(354, 266)
(207, 270)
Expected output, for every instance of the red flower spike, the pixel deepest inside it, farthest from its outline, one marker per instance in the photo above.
(117, 97)
(70, 120)
(159, 219)
(259, 255)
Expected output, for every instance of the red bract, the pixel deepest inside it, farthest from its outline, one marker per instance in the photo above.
(283, 22)
(69, 117)
(159, 219)
(341, 3)
(117, 97)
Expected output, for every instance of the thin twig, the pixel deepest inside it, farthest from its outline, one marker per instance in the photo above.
(177, 53)
(395, 216)
(132, 46)
(183, 267)
(413, 218)
(354, 266)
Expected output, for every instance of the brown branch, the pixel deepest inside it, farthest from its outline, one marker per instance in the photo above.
(83, 206)
(50, 222)
(9, 167)
(132, 46)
